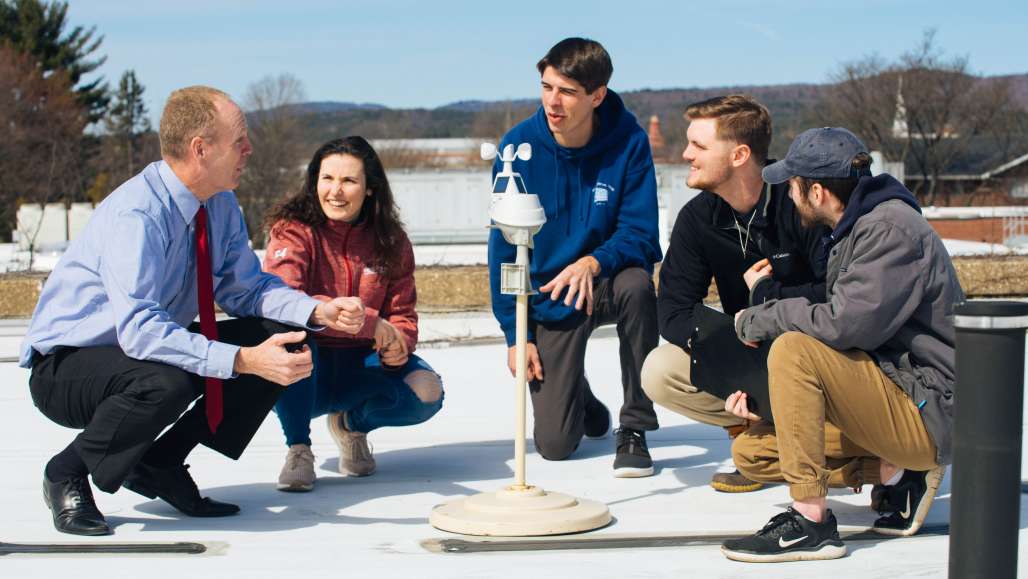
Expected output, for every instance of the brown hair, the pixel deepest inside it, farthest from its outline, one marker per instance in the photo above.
(580, 59)
(189, 112)
(379, 210)
(841, 187)
(740, 118)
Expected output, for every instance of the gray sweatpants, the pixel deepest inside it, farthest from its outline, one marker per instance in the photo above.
(558, 402)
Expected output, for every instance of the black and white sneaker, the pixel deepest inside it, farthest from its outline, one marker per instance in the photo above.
(597, 418)
(632, 459)
(905, 504)
(788, 536)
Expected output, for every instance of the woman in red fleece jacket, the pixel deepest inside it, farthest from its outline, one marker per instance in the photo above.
(341, 235)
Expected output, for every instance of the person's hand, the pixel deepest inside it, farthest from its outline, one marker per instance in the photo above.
(747, 342)
(534, 370)
(390, 344)
(578, 279)
(756, 272)
(736, 404)
(341, 314)
(270, 359)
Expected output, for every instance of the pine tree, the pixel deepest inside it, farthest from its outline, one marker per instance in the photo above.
(37, 27)
(127, 120)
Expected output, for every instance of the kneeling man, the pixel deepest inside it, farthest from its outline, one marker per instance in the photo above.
(593, 259)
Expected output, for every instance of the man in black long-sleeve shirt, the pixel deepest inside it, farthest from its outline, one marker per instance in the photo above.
(743, 233)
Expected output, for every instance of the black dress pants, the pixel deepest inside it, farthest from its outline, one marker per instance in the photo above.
(122, 404)
(558, 402)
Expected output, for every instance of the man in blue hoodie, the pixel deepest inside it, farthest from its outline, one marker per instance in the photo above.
(877, 360)
(593, 260)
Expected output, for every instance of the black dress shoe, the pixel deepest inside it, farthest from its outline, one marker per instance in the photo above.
(73, 508)
(174, 486)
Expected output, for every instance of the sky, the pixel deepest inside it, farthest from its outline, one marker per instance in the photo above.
(406, 53)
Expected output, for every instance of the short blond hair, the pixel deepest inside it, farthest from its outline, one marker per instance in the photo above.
(189, 112)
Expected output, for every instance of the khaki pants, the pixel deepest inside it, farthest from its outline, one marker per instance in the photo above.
(757, 457)
(811, 383)
(665, 379)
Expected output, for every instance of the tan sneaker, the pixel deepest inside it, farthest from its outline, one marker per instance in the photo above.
(355, 458)
(734, 482)
(297, 474)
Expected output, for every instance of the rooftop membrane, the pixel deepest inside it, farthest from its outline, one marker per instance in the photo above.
(374, 526)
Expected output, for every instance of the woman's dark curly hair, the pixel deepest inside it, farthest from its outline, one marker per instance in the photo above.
(378, 212)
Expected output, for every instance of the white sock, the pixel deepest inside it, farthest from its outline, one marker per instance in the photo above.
(895, 478)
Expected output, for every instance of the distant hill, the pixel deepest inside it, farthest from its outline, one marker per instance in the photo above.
(319, 107)
(490, 119)
(478, 106)
(791, 106)
(1018, 87)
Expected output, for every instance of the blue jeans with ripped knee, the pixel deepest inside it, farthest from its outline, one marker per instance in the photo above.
(353, 380)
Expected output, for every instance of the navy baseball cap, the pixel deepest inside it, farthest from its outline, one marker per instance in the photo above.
(825, 153)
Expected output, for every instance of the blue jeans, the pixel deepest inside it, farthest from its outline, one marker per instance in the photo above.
(352, 380)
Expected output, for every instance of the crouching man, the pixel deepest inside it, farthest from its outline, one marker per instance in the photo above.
(876, 360)
(111, 347)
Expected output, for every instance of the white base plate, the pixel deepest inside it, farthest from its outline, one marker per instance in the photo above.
(517, 512)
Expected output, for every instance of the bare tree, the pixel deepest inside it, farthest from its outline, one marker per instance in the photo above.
(863, 98)
(43, 122)
(492, 122)
(401, 154)
(276, 165)
(926, 110)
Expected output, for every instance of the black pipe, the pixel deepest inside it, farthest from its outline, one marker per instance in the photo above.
(988, 401)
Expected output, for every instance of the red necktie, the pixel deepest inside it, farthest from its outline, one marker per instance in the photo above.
(205, 299)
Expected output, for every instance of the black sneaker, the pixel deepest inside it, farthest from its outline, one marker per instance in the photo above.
(632, 459)
(597, 418)
(905, 504)
(788, 536)
(880, 499)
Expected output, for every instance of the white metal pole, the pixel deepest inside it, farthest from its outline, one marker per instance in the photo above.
(521, 375)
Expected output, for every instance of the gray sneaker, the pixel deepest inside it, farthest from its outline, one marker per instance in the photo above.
(355, 458)
(297, 474)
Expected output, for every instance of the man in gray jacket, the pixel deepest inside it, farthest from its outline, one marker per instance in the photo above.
(876, 360)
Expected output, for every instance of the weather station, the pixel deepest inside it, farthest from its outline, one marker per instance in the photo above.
(520, 509)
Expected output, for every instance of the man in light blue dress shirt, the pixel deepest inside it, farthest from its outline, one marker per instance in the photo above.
(110, 347)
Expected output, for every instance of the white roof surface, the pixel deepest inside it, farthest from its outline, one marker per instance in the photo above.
(372, 527)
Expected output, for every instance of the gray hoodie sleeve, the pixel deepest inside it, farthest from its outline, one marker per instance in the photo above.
(874, 295)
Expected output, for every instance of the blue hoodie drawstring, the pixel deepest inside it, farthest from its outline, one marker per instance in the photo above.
(583, 205)
(562, 158)
(557, 176)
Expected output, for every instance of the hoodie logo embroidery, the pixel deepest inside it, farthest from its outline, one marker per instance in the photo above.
(600, 194)
(280, 253)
